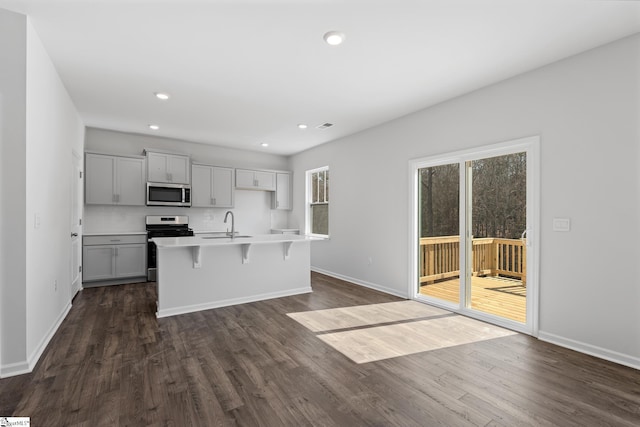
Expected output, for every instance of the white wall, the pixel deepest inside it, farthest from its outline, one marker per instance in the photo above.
(586, 111)
(41, 128)
(253, 214)
(54, 129)
(123, 143)
(13, 42)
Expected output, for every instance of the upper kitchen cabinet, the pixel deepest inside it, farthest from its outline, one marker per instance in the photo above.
(114, 180)
(163, 167)
(255, 180)
(211, 187)
(281, 199)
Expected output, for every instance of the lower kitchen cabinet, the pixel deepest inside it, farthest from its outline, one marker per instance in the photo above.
(114, 258)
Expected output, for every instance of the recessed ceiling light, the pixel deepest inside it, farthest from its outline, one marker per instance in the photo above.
(162, 96)
(334, 38)
(154, 127)
(302, 126)
(264, 144)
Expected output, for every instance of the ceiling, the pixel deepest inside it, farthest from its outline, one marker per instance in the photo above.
(245, 72)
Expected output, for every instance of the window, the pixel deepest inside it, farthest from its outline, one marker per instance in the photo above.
(317, 215)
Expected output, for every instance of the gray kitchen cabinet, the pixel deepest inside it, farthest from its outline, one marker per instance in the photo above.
(212, 186)
(172, 168)
(114, 180)
(247, 179)
(97, 263)
(114, 257)
(281, 198)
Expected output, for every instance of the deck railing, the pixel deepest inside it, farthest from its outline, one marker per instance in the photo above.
(440, 258)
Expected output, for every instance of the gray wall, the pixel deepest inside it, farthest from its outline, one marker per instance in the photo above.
(585, 110)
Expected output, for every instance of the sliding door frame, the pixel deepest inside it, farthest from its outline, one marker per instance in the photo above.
(530, 145)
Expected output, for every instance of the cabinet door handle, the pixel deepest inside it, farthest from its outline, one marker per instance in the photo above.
(214, 201)
(116, 251)
(74, 234)
(113, 198)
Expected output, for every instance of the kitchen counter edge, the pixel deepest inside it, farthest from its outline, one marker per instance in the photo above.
(174, 242)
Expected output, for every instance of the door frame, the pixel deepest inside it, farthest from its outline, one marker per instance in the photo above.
(530, 145)
(77, 187)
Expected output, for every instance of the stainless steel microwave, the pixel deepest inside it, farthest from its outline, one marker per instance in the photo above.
(163, 194)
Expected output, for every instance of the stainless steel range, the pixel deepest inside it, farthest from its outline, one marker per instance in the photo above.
(163, 226)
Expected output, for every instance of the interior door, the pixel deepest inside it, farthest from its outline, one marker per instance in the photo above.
(76, 223)
(474, 232)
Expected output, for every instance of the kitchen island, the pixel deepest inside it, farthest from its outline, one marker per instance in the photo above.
(200, 273)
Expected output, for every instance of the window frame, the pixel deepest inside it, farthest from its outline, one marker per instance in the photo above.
(309, 202)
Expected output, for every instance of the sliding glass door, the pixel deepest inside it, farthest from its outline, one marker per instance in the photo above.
(498, 221)
(439, 225)
(472, 218)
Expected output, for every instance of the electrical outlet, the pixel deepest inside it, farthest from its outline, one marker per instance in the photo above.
(369, 261)
(55, 286)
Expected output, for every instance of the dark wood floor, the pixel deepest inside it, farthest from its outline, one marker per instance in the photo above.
(113, 363)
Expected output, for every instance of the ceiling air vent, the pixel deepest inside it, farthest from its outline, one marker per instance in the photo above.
(324, 126)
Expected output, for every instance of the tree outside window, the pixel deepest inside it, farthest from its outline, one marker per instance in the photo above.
(318, 202)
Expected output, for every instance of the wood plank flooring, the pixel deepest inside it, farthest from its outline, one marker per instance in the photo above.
(393, 329)
(113, 363)
(494, 295)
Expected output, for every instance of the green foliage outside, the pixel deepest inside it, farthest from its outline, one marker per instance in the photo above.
(498, 198)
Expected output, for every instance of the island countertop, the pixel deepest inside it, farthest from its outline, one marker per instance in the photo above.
(169, 242)
(196, 273)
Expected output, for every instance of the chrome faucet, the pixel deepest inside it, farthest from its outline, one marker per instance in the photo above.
(233, 231)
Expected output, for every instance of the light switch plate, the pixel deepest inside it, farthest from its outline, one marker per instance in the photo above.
(561, 224)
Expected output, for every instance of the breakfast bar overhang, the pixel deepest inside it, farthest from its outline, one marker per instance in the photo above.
(196, 273)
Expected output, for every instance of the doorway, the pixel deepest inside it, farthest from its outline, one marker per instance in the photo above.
(473, 233)
(76, 223)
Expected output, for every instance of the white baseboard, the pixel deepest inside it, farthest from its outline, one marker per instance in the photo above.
(233, 301)
(13, 369)
(366, 284)
(25, 367)
(602, 353)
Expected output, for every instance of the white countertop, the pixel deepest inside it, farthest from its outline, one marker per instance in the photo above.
(124, 233)
(173, 242)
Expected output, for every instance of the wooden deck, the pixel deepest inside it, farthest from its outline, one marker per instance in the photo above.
(494, 295)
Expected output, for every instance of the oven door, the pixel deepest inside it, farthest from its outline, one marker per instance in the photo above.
(161, 194)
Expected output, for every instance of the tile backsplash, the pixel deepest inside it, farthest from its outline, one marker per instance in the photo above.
(252, 211)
